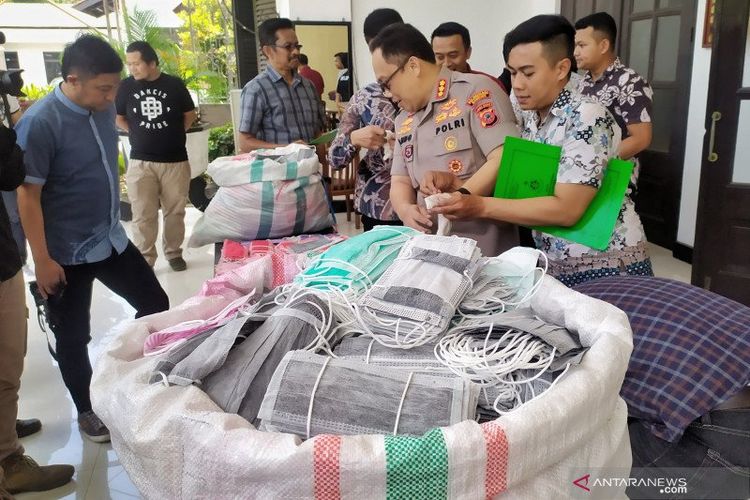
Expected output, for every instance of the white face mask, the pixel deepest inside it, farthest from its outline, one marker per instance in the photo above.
(518, 268)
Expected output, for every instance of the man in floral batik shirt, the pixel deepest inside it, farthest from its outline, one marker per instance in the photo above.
(363, 125)
(552, 111)
(626, 94)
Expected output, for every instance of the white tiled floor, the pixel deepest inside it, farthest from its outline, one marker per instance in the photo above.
(99, 474)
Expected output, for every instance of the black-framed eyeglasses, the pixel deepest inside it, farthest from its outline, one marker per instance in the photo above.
(289, 46)
(386, 85)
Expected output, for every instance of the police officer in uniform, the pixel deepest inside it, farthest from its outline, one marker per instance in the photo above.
(450, 121)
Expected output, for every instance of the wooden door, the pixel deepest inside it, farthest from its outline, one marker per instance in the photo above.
(721, 258)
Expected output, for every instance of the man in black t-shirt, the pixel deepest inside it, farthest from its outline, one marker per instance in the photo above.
(156, 110)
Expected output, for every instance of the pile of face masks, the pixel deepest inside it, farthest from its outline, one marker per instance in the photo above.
(390, 331)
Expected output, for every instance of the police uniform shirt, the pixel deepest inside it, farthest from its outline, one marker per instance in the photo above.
(467, 117)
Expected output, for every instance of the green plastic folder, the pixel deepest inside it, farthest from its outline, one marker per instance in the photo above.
(325, 138)
(529, 170)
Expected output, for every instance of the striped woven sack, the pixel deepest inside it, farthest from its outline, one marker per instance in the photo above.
(176, 443)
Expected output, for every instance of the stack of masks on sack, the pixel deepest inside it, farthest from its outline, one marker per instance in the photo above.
(415, 299)
(390, 331)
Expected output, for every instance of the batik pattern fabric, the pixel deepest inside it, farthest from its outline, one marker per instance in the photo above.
(625, 94)
(589, 138)
(373, 187)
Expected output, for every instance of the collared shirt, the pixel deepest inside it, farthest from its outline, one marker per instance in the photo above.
(691, 349)
(372, 192)
(72, 152)
(467, 117)
(589, 138)
(626, 94)
(276, 112)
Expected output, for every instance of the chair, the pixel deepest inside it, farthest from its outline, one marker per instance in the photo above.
(342, 184)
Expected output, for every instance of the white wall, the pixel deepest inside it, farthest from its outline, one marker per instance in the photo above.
(308, 10)
(487, 20)
(695, 133)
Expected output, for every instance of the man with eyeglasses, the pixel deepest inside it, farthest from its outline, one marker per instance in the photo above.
(450, 121)
(279, 106)
(364, 128)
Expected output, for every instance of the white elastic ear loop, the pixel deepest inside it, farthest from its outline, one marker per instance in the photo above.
(401, 403)
(369, 351)
(312, 396)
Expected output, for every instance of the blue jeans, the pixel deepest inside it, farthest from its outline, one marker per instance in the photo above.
(715, 449)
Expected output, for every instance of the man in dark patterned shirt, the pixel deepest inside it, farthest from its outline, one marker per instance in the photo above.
(621, 90)
(363, 125)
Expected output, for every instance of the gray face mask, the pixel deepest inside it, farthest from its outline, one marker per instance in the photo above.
(239, 385)
(421, 289)
(305, 397)
(177, 353)
(199, 359)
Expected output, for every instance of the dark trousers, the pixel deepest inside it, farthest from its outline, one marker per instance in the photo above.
(129, 276)
(713, 455)
(368, 223)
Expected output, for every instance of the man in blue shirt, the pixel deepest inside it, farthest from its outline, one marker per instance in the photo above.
(70, 210)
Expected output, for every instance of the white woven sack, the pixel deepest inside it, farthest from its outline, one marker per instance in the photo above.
(268, 194)
(176, 443)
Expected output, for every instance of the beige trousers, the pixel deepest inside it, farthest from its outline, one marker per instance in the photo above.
(12, 350)
(153, 185)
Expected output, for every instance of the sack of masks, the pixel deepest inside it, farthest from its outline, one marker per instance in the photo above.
(175, 442)
(269, 193)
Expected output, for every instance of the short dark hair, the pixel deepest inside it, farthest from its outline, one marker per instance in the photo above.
(401, 41)
(601, 22)
(303, 59)
(268, 28)
(344, 57)
(379, 19)
(148, 54)
(91, 56)
(450, 29)
(555, 33)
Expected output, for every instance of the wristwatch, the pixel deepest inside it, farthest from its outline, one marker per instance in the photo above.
(463, 190)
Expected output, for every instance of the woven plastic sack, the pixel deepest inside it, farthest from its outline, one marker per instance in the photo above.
(176, 443)
(266, 194)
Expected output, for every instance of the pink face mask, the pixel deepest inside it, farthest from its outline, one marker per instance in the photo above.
(163, 340)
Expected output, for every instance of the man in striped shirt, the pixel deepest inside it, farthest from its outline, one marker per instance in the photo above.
(279, 106)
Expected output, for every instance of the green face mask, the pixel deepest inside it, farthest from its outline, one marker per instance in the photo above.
(357, 262)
